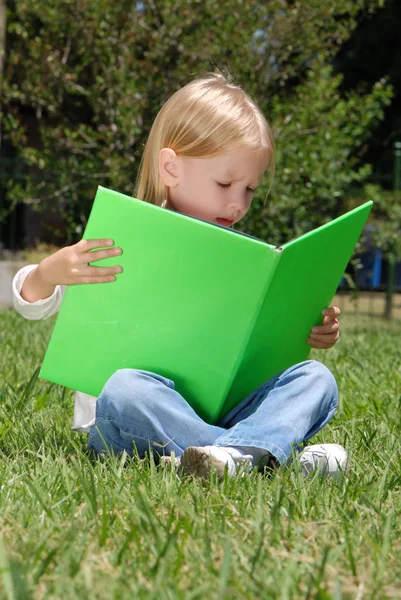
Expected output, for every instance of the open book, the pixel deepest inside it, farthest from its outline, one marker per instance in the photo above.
(216, 311)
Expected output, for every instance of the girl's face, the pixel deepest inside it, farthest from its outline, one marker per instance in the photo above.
(219, 189)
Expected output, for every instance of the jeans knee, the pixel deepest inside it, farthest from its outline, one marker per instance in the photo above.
(129, 392)
(119, 380)
(325, 380)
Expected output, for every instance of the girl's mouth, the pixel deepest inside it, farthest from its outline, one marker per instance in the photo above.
(224, 222)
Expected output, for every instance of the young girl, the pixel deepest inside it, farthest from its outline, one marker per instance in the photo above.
(207, 151)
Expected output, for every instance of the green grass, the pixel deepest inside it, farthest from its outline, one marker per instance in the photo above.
(124, 528)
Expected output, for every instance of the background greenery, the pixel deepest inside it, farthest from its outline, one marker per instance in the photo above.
(122, 528)
(83, 81)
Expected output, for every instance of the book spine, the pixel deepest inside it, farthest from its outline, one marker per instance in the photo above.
(269, 278)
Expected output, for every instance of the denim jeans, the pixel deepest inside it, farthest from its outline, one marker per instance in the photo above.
(142, 409)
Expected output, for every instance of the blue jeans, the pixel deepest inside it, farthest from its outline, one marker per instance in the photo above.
(142, 409)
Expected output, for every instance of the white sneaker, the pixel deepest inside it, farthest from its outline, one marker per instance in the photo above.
(330, 459)
(200, 461)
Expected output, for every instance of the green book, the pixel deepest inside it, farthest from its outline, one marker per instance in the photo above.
(215, 310)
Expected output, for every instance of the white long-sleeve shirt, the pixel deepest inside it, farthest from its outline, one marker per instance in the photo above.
(85, 405)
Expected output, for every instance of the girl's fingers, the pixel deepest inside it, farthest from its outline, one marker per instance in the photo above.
(325, 337)
(85, 245)
(87, 257)
(94, 272)
(87, 274)
(320, 345)
(323, 341)
(107, 279)
(327, 328)
(331, 312)
(328, 320)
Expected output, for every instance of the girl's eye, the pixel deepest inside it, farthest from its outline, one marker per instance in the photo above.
(227, 185)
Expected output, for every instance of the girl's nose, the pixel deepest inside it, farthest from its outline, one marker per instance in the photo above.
(239, 203)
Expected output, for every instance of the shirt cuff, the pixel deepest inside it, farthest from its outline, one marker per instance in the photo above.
(40, 309)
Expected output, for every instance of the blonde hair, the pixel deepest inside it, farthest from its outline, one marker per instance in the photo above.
(206, 118)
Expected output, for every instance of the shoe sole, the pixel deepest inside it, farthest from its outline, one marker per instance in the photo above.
(198, 462)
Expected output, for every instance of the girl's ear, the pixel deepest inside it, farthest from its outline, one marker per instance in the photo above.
(168, 167)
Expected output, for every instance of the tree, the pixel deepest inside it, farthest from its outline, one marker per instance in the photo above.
(91, 75)
(371, 51)
(318, 132)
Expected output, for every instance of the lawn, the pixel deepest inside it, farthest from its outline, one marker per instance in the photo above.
(124, 528)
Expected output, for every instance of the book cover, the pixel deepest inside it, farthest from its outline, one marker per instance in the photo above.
(182, 306)
(193, 304)
(303, 284)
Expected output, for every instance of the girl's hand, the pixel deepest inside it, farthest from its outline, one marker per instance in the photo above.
(326, 335)
(69, 266)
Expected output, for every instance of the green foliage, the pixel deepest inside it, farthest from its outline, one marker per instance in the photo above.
(387, 218)
(318, 133)
(365, 58)
(84, 81)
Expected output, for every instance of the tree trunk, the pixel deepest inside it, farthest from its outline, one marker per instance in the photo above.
(3, 18)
